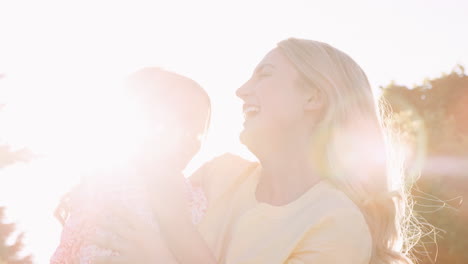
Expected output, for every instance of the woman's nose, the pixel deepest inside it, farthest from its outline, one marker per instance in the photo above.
(243, 91)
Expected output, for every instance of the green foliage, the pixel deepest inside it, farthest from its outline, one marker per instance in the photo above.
(433, 121)
(442, 106)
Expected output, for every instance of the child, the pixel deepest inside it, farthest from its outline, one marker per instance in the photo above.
(178, 111)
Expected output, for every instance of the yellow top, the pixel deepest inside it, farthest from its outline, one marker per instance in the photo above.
(322, 226)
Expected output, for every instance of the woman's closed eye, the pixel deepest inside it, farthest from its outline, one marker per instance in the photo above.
(264, 71)
(263, 74)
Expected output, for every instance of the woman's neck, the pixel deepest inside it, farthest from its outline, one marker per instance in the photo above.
(287, 172)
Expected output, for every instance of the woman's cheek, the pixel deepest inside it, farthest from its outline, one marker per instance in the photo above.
(273, 118)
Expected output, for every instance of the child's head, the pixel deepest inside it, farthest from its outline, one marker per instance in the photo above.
(178, 111)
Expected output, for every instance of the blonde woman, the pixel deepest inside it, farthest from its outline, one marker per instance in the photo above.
(327, 187)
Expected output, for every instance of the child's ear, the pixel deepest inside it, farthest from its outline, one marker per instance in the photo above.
(315, 100)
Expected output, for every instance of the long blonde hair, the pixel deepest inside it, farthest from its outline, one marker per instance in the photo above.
(357, 151)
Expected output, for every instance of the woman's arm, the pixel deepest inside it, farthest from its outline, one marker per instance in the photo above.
(133, 238)
(173, 213)
(170, 205)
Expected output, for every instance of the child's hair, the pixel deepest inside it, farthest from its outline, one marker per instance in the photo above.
(350, 138)
(152, 86)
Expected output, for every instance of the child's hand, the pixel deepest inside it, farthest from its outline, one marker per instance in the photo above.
(135, 240)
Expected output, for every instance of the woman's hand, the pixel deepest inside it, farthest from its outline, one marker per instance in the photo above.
(170, 193)
(170, 203)
(135, 240)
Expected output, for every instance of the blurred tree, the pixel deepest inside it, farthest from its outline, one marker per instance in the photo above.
(10, 250)
(8, 156)
(9, 253)
(442, 106)
(433, 121)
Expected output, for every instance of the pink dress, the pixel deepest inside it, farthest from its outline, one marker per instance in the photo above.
(85, 208)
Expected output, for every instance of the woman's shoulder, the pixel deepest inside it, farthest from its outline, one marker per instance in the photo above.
(341, 237)
(228, 161)
(325, 202)
(333, 204)
(337, 199)
(337, 227)
(221, 172)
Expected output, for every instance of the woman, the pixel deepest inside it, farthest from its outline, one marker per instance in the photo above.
(327, 189)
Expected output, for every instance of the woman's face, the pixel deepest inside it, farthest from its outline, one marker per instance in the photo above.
(273, 101)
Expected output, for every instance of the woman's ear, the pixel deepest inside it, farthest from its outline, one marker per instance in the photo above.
(315, 100)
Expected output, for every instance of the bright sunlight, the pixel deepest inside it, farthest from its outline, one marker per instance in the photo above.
(63, 66)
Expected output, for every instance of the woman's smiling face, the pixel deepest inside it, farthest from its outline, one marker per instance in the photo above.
(273, 100)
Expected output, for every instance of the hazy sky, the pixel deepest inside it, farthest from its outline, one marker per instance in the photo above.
(58, 54)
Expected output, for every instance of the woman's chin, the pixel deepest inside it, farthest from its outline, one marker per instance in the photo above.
(244, 137)
(249, 139)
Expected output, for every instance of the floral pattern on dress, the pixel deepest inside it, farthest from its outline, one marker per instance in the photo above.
(80, 224)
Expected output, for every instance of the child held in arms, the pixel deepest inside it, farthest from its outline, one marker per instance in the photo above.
(177, 111)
